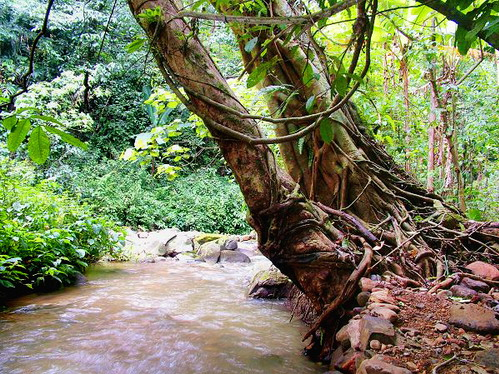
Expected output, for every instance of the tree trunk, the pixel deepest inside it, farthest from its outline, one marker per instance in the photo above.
(338, 198)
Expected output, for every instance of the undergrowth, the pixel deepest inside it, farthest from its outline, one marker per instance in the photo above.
(46, 238)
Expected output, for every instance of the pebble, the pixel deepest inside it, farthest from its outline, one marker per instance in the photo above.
(411, 366)
(375, 344)
(440, 327)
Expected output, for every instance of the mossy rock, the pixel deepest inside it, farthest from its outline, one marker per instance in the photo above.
(207, 237)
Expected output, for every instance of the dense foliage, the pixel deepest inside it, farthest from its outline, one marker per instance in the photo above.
(46, 237)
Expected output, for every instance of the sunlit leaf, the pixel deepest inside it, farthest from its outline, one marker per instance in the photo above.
(68, 138)
(16, 137)
(39, 145)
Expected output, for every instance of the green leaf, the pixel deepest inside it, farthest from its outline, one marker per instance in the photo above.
(251, 44)
(9, 122)
(47, 119)
(462, 42)
(308, 74)
(326, 130)
(309, 105)
(39, 145)
(135, 45)
(257, 75)
(301, 144)
(68, 138)
(6, 284)
(341, 84)
(16, 137)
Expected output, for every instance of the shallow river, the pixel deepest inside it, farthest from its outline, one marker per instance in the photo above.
(167, 317)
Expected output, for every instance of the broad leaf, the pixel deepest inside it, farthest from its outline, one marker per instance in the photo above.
(9, 122)
(309, 105)
(47, 119)
(341, 84)
(251, 44)
(308, 74)
(68, 138)
(135, 45)
(39, 145)
(326, 130)
(19, 133)
(257, 75)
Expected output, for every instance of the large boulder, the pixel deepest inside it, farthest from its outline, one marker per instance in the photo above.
(203, 238)
(152, 244)
(249, 248)
(228, 256)
(209, 252)
(269, 284)
(180, 243)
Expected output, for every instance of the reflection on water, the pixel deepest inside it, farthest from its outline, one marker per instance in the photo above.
(167, 317)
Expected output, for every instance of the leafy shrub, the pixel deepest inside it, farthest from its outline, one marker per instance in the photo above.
(129, 195)
(204, 201)
(46, 238)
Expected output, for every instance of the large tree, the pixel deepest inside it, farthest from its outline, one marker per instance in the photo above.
(341, 206)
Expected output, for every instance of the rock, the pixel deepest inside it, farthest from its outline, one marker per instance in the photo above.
(205, 238)
(488, 358)
(249, 248)
(349, 361)
(440, 327)
(209, 252)
(444, 293)
(269, 284)
(462, 291)
(385, 313)
(375, 344)
(228, 256)
(361, 331)
(474, 318)
(376, 366)
(143, 245)
(484, 270)
(363, 298)
(382, 296)
(475, 285)
(384, 305)
(230, 245)
(412, 366)
(182, 242)
(366, 284)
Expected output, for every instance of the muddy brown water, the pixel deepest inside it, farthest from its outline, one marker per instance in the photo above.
(166, 317)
